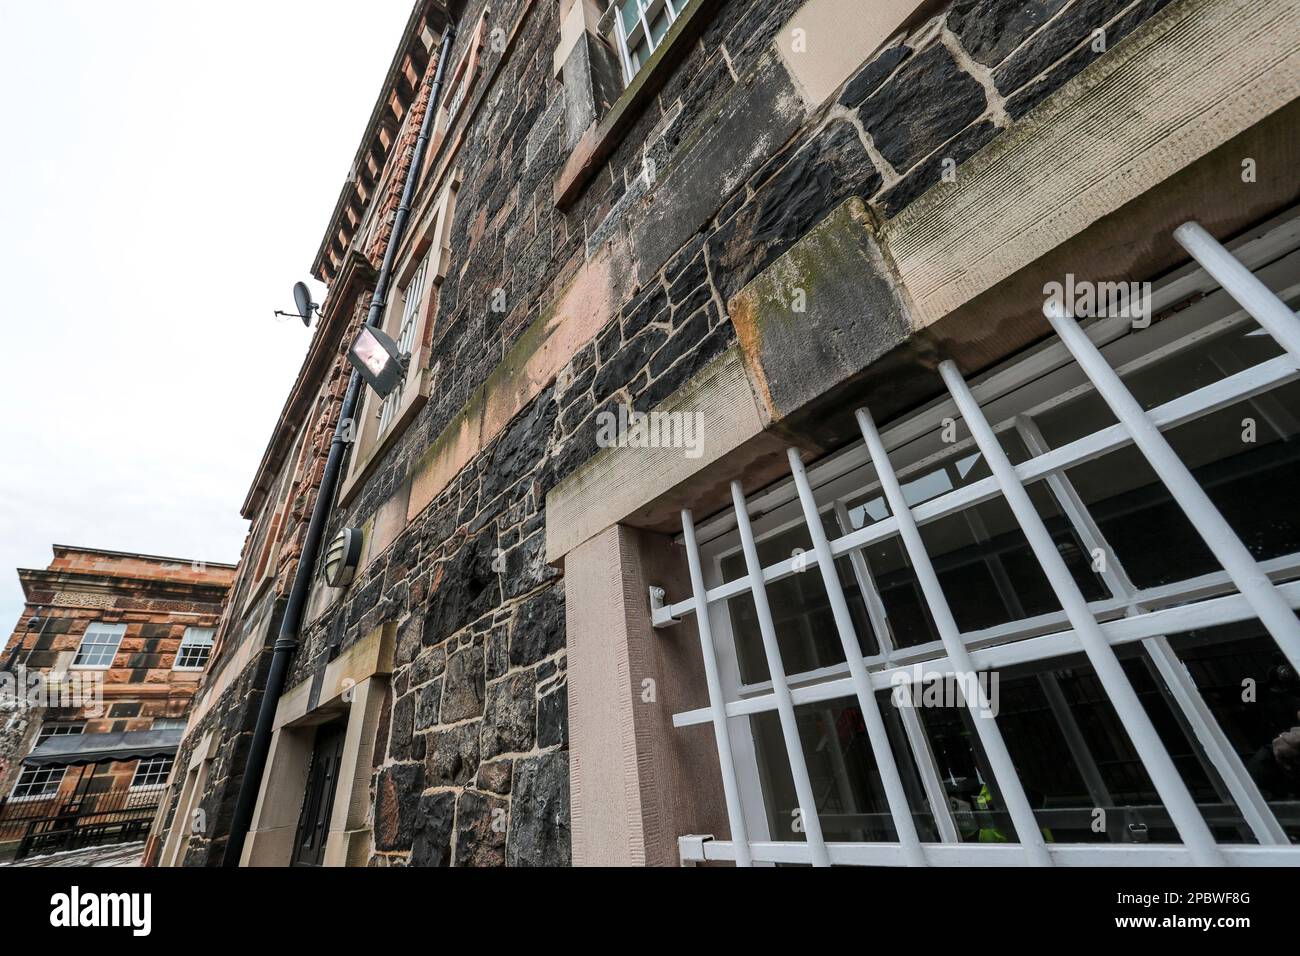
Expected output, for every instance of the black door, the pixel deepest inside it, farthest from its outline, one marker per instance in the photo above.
(318, 801)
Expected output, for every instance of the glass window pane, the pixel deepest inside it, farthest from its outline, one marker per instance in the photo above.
(1255, 696)
(846, 785)
(801, 611)
(1076, 762)
(1246, 457)
(983, 561)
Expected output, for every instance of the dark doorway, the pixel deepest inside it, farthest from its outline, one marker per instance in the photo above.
(318, 801)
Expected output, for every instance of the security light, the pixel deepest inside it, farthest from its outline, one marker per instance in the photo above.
(378, 359)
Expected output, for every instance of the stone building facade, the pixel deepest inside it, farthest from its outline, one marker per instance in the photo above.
(754, 219)
(110, 645)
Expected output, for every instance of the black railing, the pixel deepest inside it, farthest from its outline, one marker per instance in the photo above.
(71, 821)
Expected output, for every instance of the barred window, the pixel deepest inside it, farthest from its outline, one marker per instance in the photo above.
(195, 647)
(1050, 617)
(99, 645)
(36, 782)
(412, 300)
(151, 772)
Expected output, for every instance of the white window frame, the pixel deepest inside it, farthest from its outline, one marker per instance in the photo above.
(99, 635)
(1073, 362)
(413, 297)
(202, 638)
(628, 41)
(155, 771)
(50, 783)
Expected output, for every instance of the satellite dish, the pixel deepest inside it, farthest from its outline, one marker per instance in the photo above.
(302, 299)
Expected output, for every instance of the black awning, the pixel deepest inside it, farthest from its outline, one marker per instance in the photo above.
(75, 750)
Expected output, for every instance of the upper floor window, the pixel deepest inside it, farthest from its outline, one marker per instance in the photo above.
(99, 645)
(195, 647)
(36, 782)
(639, 27)
(412, 299)
(151, 772)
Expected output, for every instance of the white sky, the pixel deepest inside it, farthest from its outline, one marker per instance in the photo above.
(167, 170)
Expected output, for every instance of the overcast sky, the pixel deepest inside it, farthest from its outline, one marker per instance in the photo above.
(168, 169)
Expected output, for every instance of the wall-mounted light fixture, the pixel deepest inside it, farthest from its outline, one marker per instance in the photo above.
(341, 558)
(378, 359)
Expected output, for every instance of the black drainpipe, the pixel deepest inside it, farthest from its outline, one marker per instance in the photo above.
(287, 641)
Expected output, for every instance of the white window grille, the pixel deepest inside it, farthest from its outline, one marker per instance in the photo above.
(151, 772)
(639, 27)
(99, 645)
(36, 782)
(1089, 554)
(195, 647)
(413, 299)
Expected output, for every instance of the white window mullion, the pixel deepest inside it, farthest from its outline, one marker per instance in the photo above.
(1155, 758)
(886, 766)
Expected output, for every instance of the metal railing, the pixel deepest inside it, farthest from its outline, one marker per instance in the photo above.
(71, 821)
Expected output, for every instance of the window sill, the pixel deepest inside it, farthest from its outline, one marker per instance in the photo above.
(604, 136)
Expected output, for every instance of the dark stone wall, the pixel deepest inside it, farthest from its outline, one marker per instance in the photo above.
(471, 766)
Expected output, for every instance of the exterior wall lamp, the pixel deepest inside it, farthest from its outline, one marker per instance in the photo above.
(378, 359)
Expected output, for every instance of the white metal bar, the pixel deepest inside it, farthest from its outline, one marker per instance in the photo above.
(1218, 535)
(1228, 609)
(1243, 285)
(694, 850)
(912, 729)
(895, 795)
(1173, 792)
(995, 748)
(780, 689)
(730, 789)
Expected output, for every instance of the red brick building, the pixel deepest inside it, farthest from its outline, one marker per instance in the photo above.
(102, 664)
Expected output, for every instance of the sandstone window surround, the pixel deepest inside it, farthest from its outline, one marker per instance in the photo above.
(195, 647)
(353, 687)
(98, 646)
(191, 794)
(409, 320)
(271, 522)
(459, 84)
